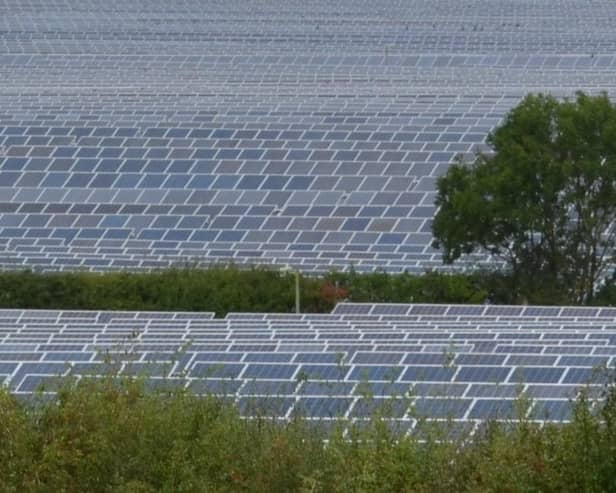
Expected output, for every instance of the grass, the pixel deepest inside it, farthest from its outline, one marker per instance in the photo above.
(116, 435)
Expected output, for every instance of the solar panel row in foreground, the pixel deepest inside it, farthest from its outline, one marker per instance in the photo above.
(465, 363)
(147, 133)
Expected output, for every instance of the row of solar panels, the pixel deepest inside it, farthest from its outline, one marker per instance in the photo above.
(340, 81)
(306, 62)
(434, 359)
(361, 313)
(374, 52)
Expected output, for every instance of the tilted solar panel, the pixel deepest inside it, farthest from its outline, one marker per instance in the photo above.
(335, 368)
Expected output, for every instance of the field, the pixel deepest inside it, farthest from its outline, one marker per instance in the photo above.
(218, 266)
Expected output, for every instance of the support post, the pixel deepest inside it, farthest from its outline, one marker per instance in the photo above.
(297, 307)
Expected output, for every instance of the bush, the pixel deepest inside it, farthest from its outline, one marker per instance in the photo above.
(219, 290)
(432, 287)
(230, 289)
(225, 289)
(114, 435)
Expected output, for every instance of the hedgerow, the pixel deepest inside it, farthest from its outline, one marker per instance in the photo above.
(115, 435)
(225, 289)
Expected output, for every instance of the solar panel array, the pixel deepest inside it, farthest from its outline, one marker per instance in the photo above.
(147, 133)
(447, 362)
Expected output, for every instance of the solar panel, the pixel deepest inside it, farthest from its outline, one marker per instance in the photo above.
(242, 135)
(446, 365)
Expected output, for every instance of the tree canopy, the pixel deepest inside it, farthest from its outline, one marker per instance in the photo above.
(544, 199)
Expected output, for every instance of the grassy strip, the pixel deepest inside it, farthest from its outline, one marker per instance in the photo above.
(115, 436)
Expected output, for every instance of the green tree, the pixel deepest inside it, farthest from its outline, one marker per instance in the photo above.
(543, 201)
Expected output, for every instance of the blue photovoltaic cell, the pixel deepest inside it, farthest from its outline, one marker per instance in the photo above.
(273, 371)
(388, 408)
(428, 374)
(444, 408)
(268, 388)
(215, 386)
(552, 410)
(493, 409)
(537, 375)
(217, 370)
(322, 372)
(375, 373)
(482, 374)
(319, 407)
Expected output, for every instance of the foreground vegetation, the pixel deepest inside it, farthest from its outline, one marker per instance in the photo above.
(225, 289)
(115, 436)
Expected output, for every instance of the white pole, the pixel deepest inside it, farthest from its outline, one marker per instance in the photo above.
(297, 308)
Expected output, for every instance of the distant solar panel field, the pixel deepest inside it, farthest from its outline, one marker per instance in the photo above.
(144, 134)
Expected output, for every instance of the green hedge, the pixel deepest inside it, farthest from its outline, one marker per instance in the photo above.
(114, 436)
(227, 289)
(219, 290)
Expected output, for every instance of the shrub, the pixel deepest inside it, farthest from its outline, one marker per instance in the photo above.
(225, 289)
(111, 434)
